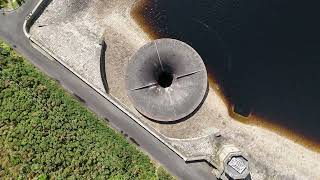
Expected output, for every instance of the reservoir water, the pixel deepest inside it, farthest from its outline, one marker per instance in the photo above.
(263, 54)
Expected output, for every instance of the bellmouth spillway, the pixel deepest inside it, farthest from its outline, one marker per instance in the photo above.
(263, 54)
(166, 80)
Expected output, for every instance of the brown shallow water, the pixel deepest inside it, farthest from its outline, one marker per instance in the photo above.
(263, 54)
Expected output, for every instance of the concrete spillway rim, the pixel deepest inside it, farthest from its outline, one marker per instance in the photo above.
(163, 103)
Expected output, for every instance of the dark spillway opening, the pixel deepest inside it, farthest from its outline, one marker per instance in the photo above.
(165, 79)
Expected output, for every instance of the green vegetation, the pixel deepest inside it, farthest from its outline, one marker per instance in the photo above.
(3, 3)
(46, 134)
(11, 4)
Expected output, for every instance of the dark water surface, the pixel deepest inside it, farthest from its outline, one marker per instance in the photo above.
(264, 54)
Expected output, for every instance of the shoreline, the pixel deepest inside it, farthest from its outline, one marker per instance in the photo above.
(257, 121)
(253, 119)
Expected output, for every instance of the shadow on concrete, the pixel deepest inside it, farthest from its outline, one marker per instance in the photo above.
(81, 100)
(37, 13)
(103, 66)
(200, 161)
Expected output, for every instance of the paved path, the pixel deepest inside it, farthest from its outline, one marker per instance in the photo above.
(11, 31)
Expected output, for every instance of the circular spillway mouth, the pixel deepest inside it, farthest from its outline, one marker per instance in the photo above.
(166, 80)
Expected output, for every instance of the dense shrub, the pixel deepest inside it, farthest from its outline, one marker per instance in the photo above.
(14, 3)
(45, 133)
(3, 3)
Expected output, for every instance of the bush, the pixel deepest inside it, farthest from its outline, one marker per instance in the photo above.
(46, 134)
(3, 3)
(163, 174)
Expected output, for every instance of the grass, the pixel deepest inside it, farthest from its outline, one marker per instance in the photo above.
(14, 4)
(11, 4)
(46, 134)
(3, 4)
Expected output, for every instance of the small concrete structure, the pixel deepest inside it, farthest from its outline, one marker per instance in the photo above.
(231, 163)
(166, 80)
